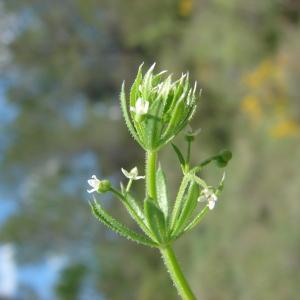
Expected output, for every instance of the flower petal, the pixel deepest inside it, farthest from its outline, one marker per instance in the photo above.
(134, 172)
(126, 173)
(211, 204)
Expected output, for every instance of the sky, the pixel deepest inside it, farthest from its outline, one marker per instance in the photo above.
(40, 276)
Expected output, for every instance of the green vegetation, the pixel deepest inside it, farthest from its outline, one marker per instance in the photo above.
(62, 72)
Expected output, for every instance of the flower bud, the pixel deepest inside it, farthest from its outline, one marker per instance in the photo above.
(104, 186)
(100, 186)
(223, 158)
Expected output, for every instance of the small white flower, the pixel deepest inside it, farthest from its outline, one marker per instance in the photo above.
(133, 174)
(190, 132)
(209, 197)
(94, 182)
(141, 107)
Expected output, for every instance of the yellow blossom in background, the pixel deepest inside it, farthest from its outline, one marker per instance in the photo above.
(185, 7)
(251, 106)
(268, 96)
(257, 77)
(286, 128)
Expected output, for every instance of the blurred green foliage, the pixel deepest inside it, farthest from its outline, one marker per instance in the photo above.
(68, 287)
(64, 73)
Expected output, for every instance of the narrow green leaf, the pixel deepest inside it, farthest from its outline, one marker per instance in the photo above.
(147, 82)
(134, 91)
(179, 154)
(161, 191)
(135, 87)
(119, 228)
(156, 220)
(188, 117)
(157, 78)
(126, 116)
(179, 199)
(175, 119)
(197, 219)
(188, 208)
(200, 181)
(153, 124)
(134, 205)
(179, 92)
(136, 214)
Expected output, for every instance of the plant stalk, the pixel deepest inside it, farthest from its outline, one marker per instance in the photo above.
(167, 252)
(176, 274)
(151, 157)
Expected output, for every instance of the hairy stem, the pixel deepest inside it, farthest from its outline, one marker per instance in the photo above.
(167, 252)
(176, 274)
(151, 157)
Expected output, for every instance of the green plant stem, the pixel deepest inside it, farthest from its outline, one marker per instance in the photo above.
(151, 157)
(167, 252)
(188, 155)
(176, 274)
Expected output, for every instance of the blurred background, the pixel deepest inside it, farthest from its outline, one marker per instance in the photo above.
(61, 67)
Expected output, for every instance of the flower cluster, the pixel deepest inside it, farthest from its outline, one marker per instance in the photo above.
(159, 108)
(208, 196)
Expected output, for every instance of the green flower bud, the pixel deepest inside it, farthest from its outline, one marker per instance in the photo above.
(104, 186)
(223, 158)
(100, 186)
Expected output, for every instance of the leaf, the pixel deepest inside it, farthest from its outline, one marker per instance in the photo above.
(179, 199)
(134, 211)
(161, 191)
(156, 220)
(119, 228)
(136, 214)
(157, 78)
(188, 208)
(135, 87)
(176, 119)
(126, 116)
(135, 206)
(197, 219)
(179, 154)
(153, 124)
(197, 179)
(147, 82)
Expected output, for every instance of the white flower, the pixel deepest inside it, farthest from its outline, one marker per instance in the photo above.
(133, 174)
(141, 107)
(209, 197)
(190, 132)
(94, 182)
